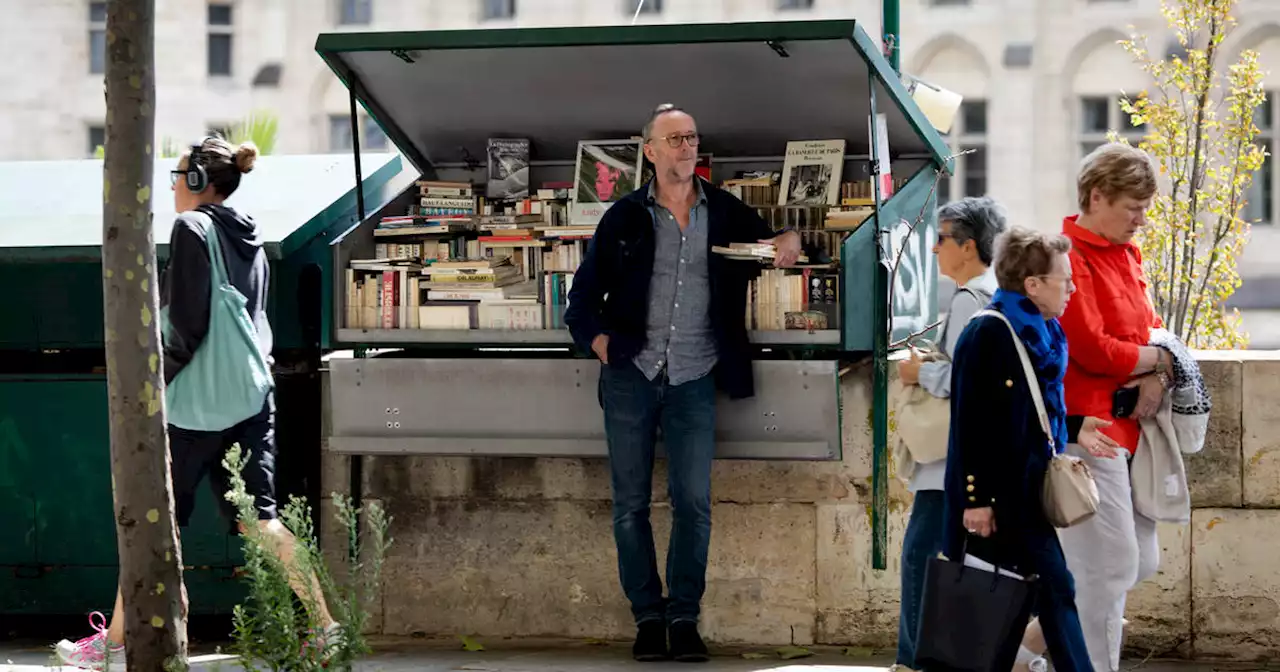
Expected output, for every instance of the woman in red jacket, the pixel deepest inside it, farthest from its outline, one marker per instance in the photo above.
(1115, 375)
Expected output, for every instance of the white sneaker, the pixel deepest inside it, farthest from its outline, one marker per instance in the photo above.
(94, 652)
(1039, 665)
(334, 637)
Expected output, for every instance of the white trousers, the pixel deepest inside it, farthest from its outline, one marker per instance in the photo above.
(1108, 555)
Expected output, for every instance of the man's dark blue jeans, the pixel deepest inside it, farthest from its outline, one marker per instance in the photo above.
(635, 408)
(922, 541)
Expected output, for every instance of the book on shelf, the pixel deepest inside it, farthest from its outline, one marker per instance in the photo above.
(703, 167)
(752, 251)
(502, 253)
(846, 219)
(508, 169)
(785, 299)
(811, 172)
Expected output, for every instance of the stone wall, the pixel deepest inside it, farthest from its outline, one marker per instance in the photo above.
(523, 547)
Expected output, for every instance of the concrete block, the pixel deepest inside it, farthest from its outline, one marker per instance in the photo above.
(1261, 435)
(1235, 588)
(857, 605)
(761, 574)
(335, 472)
(504, 569)
(1213, 475)
(1159, 609)
(511, 478)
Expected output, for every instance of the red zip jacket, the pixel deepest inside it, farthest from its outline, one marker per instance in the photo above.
(1106, 321)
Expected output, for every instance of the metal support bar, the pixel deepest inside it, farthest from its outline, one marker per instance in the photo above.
(880, 362)
(357, 462)
(355, 148)
(890, 17)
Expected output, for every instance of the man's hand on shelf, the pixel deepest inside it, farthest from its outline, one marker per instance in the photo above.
(788, 249)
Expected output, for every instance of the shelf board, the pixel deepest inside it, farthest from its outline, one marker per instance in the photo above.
(553, 337)
(452, 336)
(795, 337)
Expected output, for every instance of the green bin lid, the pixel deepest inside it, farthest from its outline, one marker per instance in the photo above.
(54, 208)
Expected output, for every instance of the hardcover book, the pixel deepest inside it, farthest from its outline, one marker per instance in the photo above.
(606, 171)
(811, 172)
(508, 177)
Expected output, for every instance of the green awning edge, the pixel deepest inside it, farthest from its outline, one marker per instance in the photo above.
(329, 45)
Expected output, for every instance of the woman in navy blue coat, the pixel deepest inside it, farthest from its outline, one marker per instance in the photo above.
(998, 453)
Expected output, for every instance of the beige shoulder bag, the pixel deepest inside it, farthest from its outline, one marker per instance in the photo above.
(1070, 494)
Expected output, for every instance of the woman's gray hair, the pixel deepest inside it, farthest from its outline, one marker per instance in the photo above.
(980, 219)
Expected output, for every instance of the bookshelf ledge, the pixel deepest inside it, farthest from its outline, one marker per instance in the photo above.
(553, 336)
(514, 336)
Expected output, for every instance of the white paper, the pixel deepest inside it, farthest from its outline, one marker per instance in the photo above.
(978, 563)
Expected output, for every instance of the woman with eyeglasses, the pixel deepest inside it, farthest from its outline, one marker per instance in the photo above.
(999, 451)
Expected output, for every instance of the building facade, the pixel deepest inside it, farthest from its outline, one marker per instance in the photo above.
(1040, 79)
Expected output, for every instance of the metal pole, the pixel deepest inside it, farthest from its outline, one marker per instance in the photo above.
(355, 148)
(880, 357)
(890, 32)
(357, 462)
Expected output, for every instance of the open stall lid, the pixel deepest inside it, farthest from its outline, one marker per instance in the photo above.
(51, 210)
(440, 95)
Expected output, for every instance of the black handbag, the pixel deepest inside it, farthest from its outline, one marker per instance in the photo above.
(971, 620)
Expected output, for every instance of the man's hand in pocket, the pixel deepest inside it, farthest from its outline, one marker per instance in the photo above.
(600, 346)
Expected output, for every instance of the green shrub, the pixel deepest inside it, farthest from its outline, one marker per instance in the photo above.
(270, 632)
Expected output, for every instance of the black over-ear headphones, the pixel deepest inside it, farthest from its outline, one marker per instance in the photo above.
(197, 177)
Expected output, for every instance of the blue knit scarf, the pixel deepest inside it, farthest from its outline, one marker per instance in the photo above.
(1047, 347)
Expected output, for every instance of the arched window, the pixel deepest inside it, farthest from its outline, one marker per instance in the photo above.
(957, 65)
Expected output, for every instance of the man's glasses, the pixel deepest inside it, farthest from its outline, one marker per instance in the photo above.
(674, 140)
(176, 176)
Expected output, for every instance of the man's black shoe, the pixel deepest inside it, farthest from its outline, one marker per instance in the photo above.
(651, 642)
(686, 643)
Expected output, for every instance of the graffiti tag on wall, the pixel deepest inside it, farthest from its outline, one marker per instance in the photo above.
(915, 288)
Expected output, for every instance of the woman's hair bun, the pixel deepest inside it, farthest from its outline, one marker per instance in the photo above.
(246, 156)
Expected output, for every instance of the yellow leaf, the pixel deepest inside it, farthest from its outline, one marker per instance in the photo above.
(793, 652)
(469, 644)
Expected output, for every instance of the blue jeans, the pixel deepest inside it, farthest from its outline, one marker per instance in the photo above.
(635, 408)
(922, 541)
(1056, 603)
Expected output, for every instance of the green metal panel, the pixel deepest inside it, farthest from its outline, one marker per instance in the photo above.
(916, 288)
(56, 506)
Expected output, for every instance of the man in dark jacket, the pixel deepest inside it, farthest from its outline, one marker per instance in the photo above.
(666, 319)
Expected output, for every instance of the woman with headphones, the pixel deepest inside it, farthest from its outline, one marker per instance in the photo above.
(214, 251)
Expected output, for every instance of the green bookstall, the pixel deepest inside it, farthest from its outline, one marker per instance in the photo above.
(478, 386)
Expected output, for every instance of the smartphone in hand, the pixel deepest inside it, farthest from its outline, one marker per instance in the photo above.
(1124, 401)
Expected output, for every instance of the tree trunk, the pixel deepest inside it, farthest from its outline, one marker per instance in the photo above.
(150, 559)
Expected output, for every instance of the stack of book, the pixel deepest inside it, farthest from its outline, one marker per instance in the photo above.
(806, 300)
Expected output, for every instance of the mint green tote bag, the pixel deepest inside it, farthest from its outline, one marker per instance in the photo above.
(228, 378)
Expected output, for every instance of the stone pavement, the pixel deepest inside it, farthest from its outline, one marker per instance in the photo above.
(530, 656)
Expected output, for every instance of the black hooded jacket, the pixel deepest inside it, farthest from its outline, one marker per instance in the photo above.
(184, 285)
